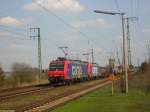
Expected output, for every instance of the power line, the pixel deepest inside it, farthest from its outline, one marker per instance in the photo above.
(117, 5)
(131, 2)
(16, 33)
(138, 7)
(138, 10)
(8, 30)
(10, 27)
(60, 19)
(60, 1)
(64, 22)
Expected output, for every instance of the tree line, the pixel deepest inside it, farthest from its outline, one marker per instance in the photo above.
(21, 73)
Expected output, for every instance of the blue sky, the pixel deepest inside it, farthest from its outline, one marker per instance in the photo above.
(101, 32)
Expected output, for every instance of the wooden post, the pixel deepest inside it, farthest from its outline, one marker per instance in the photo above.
(112, 88)
(112, 78)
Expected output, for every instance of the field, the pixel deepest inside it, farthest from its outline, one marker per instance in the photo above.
(137, 100)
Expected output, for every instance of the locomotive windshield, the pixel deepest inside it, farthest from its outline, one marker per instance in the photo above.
(54, 67)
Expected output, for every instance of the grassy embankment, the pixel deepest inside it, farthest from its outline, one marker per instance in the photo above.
(137, 100)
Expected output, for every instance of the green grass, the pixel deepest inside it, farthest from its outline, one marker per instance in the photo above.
(102, 101)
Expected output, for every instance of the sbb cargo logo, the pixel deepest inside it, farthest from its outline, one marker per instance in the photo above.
(94, 70)
(76, 70)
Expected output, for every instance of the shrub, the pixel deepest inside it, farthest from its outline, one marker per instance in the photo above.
(144, 67)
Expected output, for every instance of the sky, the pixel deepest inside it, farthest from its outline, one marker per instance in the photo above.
(70, 23)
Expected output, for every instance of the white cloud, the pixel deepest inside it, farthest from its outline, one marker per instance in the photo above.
(10, 21)
(90, 23)
(146, 30)
(59, 5)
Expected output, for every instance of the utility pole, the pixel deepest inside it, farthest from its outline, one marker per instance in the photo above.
(129, 39)
(86, 56)
(125, 55)
(145, 57)
(92, 56)
(117, 54)
(39, 51)
(128, 43)
(64, 50)
(138, 63)
(148, 49)
(125, 58)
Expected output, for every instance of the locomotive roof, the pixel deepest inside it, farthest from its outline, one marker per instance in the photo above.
(61, 60)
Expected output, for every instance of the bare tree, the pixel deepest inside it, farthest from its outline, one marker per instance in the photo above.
(2, 76)
(144, 67)
(1, 71)
(22, 72)
(145, 70)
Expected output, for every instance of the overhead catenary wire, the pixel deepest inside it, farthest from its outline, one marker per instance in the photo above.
(134, 10)
(8, 28)
(89, 41)
(66, 23)
(13, 32)
(61, 19)
(131, 3)
(60, 1)
(117, 5)
(20, 29)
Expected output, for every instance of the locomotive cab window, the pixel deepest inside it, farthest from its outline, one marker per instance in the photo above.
(54, 67)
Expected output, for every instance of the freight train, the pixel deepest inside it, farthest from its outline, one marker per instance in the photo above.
(66, 71)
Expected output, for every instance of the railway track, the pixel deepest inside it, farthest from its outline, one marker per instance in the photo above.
(13, 89)
(7, 94)
(56, 100)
